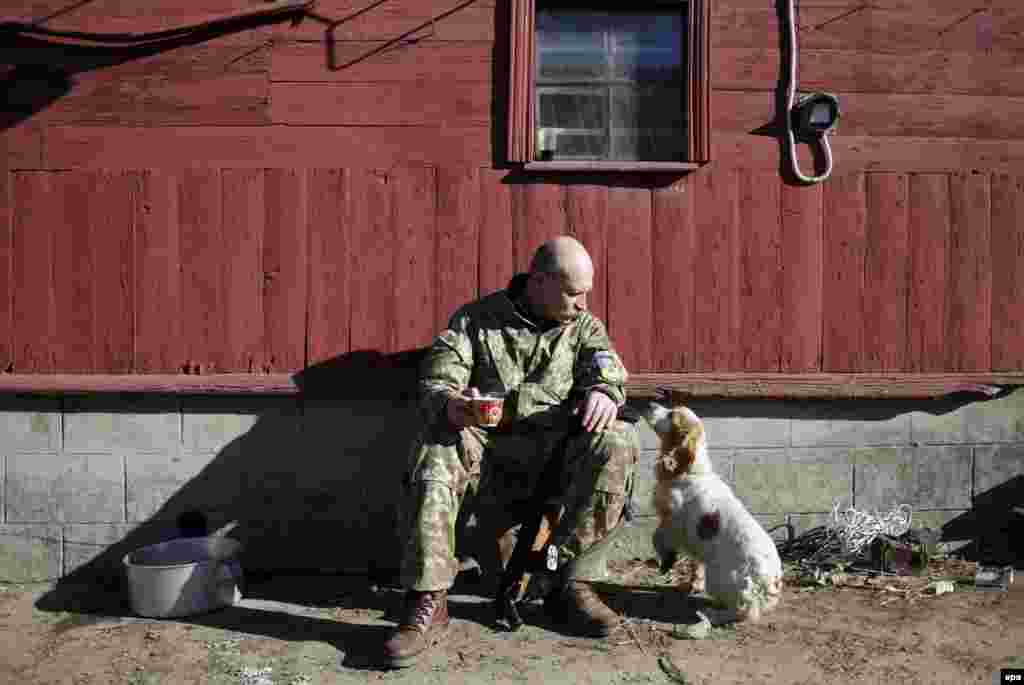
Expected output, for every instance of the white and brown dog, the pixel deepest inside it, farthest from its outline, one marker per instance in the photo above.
(699, 517)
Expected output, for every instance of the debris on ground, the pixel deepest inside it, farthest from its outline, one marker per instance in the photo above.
(670, 669)
(993, 578)
(885, 552)
(940, 587)
(256, 676)
(693, 631)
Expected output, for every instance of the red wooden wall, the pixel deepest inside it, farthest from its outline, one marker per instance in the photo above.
(283, 195)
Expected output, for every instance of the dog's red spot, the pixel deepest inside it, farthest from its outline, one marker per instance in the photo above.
(709, 525)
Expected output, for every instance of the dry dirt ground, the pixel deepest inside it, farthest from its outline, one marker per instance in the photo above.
(305, 631)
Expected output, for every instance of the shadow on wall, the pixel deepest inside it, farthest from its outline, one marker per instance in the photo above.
(994, 525)
(312, 487)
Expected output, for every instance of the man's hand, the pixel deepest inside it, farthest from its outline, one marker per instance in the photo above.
(460, 411)
(599, 411)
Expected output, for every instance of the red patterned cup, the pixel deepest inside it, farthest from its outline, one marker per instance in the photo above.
(488, 410)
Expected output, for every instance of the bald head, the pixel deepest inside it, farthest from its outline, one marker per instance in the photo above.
(561, 275)
(562, 255)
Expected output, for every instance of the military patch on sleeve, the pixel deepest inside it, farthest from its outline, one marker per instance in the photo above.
(606, 364)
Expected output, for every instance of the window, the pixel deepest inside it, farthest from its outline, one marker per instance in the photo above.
(609, 84)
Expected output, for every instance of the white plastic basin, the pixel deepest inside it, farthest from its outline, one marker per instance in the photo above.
(184, 576)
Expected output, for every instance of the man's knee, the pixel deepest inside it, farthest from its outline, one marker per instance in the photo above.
(449, 458)
(613, 454)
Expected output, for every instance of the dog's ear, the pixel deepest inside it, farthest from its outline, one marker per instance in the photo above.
(658, 416)
(693, 441)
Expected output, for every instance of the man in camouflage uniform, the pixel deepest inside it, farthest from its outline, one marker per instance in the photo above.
(536, 344)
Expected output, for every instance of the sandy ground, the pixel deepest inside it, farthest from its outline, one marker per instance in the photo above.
(304, 631)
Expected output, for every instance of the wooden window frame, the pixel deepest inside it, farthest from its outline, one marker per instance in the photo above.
(521, 115)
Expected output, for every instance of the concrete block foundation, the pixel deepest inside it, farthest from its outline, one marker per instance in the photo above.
(313, 486)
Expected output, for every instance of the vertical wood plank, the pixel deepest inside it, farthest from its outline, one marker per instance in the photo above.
(586, 212)
(497, 252)
(760, 271)
(373, 248)
(969, 310)
(538, 216)
(716, 277)
(630, 304)
(928, 238)
(673, 239)
(1007, 273)
(159, 347)
(843, 281)
(199, 207)
(6, 265)
(802, 227)
(886, 273)
(416, 215)
(457, 246)
(112, 200)
(284, 274)
(242, 269)
(330, 265)
(36, 218)
(73, 261)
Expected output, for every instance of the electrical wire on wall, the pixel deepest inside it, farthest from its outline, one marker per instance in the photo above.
(816, 114)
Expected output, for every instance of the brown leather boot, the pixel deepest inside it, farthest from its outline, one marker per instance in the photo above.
(577, 606)
(423, 625)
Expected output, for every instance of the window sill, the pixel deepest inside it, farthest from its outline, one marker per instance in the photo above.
(660, 167)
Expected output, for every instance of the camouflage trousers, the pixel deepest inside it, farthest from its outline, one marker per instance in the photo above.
(490, 476)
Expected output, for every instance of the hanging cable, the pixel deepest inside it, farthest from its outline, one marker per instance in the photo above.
(809, 102)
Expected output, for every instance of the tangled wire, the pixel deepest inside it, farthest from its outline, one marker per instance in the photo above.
(847, 534)
(857, 529)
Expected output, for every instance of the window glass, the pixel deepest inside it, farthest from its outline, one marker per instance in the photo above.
(571, 46)
(647, 123)
(610, 85)
(647, 47)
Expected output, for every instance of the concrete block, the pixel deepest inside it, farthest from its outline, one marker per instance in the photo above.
(943, 424)
(126, 422)
(65, 488)
(997, 465)
(743, 430)
(774, 525)
(340, 546)
(935, 518)
(722, 459)
(793, 480)
(999, 420)
(849, 424)
(734, 423)
(93, 549)
(212, 423)
(350, 450)
(28, 423)
(163, 486)
(649, 440)
(923, 477)
(801, 523)
(29, 554)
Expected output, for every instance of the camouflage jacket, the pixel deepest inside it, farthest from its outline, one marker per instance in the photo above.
(491, 345)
